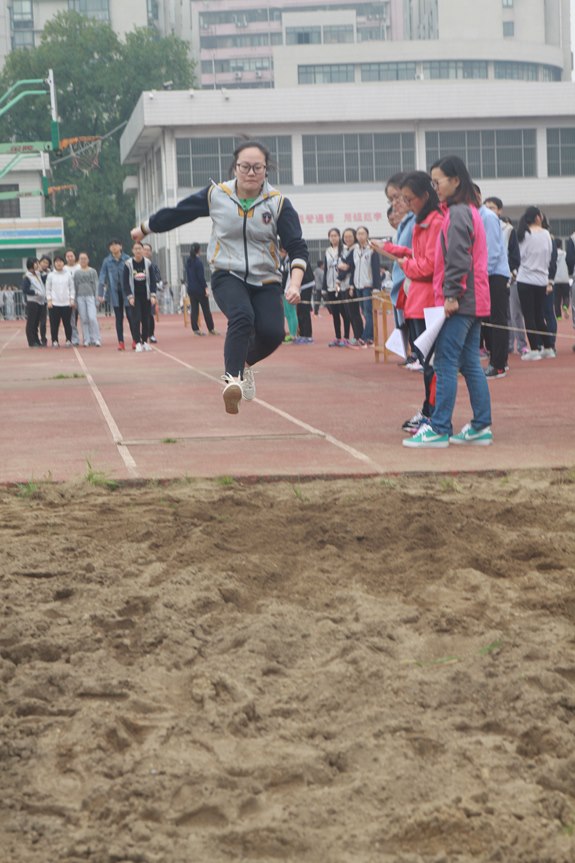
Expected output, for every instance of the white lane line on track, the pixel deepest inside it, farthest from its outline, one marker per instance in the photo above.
(123, 450)
(11, 339)
(354, 453)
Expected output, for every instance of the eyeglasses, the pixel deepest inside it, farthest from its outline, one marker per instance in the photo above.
(246, 168)
(436, 183)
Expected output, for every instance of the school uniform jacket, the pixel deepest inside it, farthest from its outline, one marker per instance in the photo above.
(244, 243)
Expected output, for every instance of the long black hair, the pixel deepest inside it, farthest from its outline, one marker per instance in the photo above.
(194, 250)
(340, 241)
(419, 182)
(453, 166)
(526, 220)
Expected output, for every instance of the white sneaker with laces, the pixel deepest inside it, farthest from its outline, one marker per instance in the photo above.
(146, 347)
(531, 356)
(248, 384)
(548, 353)
(139, 348)
(233, 393)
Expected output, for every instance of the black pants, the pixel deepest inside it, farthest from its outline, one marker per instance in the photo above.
(43, 316)
(532, 299)
(33, 314)
(152, 320)
(57, 314)
(141, 311)
(340, 313)
(497, 340)
(202, 302)
(561, 297)
(255, 318)
(303, 310)
(355, 317)
(119, 315)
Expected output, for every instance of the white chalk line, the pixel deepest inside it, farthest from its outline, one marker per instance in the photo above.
(123, 450)
(354, 453)
(11, 339)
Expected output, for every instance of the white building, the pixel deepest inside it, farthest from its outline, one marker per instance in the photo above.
(248, 43)
(334, 147)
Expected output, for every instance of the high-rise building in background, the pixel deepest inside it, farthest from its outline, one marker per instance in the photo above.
(254, 43)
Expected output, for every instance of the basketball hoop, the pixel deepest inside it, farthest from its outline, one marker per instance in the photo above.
(71, 188)
(84, 151)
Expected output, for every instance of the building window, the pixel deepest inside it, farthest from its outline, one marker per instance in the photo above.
(98, 9)
(508, 29)
(440, 69)
(488, 153)
(387, 71)
(358, 158)
(561, 152)
(334, 35)
(336, 73)
(516, 71)
(303, 36)
(508, 4)
(10, 209)
(200, 160)
(22, 39)
(22, 15)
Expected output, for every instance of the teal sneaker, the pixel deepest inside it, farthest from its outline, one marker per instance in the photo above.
(470, 435)
(426, 437)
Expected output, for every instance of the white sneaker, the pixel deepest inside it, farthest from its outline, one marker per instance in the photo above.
(531, 356)
(146, 347)
(232, 393)
(548, 353)
(248, 384)
(139, 348)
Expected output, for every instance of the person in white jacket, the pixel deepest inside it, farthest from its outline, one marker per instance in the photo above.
(60, 295)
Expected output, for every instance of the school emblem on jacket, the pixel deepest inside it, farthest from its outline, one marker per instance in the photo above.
(266, 218)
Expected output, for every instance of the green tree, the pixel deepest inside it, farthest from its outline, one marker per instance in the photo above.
(99, 79)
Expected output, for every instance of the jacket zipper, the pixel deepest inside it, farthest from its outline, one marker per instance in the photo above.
(246, 245)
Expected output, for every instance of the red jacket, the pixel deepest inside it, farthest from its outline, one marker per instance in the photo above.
(461, 262)
(420, 266)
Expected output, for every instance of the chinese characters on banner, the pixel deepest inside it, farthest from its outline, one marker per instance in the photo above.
(329, 218)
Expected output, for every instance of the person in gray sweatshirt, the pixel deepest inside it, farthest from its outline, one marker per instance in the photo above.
(86, 285)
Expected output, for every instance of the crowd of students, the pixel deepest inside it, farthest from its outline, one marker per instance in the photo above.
(66, 293)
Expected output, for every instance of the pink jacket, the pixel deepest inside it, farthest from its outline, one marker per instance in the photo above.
(421, 264)
(461, 262)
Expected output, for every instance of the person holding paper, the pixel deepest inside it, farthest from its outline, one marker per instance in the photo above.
(461, 285)
(418, 264)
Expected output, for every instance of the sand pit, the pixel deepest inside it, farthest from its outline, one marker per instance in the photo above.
(335, 672)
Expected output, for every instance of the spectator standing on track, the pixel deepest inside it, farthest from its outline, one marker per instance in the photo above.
(60, 294)
(515, 320)
(140, 289)
(333, 257)
(111, 286)
(461, 286)
(536, 248)
(34, 290)
(159, 286)
(366, 279)
(197, 288)
(86, 288)
(348, 292)
(405, 221)
(45, 267)
(496, 337)
(71, 266)
(561, 288)
(418, 264)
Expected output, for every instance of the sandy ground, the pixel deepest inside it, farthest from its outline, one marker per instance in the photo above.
(337, 672)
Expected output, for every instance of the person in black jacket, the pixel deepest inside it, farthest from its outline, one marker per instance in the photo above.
(197, 288)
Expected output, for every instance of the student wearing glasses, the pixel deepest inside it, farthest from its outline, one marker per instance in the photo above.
(250, 221)
(461, 286)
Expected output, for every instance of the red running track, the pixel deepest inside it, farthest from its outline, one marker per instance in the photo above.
(320, 411)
